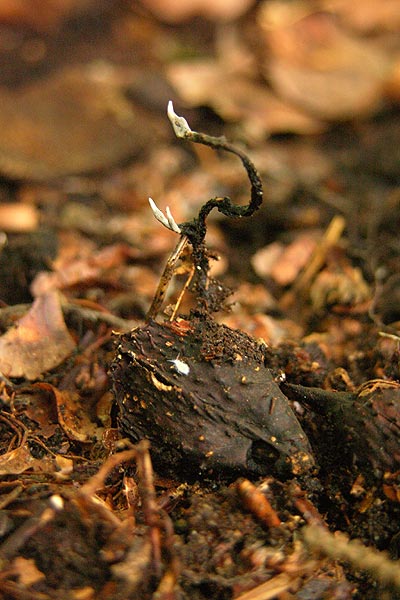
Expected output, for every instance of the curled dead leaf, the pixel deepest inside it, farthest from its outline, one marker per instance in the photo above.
(73, 418)
(16, 461)
(313, 63)
(39, 341)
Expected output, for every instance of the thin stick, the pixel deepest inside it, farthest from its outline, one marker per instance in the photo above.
(183, 291)
(165, 278)
(339, 547)
(270, 589)
(318, 257)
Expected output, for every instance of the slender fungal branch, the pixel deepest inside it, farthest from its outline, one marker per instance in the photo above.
(195, 231)
(168, 221)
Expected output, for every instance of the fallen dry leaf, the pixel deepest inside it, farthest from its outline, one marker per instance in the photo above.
(41, 410)
(92, 126)
(237, 97)
(283, 263)
(66, 465)
(314, 64)
(264, 327)
(72, 270)
(175, 11)
(16, 461)
(38, 342)
(73, 418)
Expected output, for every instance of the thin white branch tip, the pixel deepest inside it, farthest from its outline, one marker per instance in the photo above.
(180, 125)
(168, 221)
(173, 224)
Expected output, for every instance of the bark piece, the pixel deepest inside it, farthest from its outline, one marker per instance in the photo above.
(200, 392)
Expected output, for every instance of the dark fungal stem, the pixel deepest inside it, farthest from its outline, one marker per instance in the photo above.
(195, 230)
(210, 293)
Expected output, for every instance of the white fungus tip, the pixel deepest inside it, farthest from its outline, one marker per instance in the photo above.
(168, 221)
(180, 125)
(159, 215)
(172, 223)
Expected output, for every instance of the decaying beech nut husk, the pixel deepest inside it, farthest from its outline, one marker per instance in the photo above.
(201, 393)
(367, 422)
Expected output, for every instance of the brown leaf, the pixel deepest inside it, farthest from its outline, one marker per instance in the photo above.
(175, 11)
(16, 461)
(38, 342)
(81, 268)
(237, 97)
(73, 418)
(281, 263)
(92, 126)
(41, 409)
(317, 66)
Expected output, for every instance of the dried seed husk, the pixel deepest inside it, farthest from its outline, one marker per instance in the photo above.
(226, 414)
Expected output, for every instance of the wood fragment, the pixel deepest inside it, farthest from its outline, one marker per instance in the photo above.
(257, 503)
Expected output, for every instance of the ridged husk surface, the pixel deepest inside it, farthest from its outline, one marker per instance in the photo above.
(217, 410)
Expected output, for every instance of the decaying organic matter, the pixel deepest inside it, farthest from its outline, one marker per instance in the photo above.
(82, 515)
(217, 410)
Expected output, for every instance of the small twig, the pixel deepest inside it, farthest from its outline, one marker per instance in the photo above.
(270, 589)
(166, 278)
(7, 499)
(182, 293)
(96, 482)
(150, 508)
(318, 257)
(258, 504)
(339, 547)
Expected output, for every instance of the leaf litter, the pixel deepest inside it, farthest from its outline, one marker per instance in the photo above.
(323, 329)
